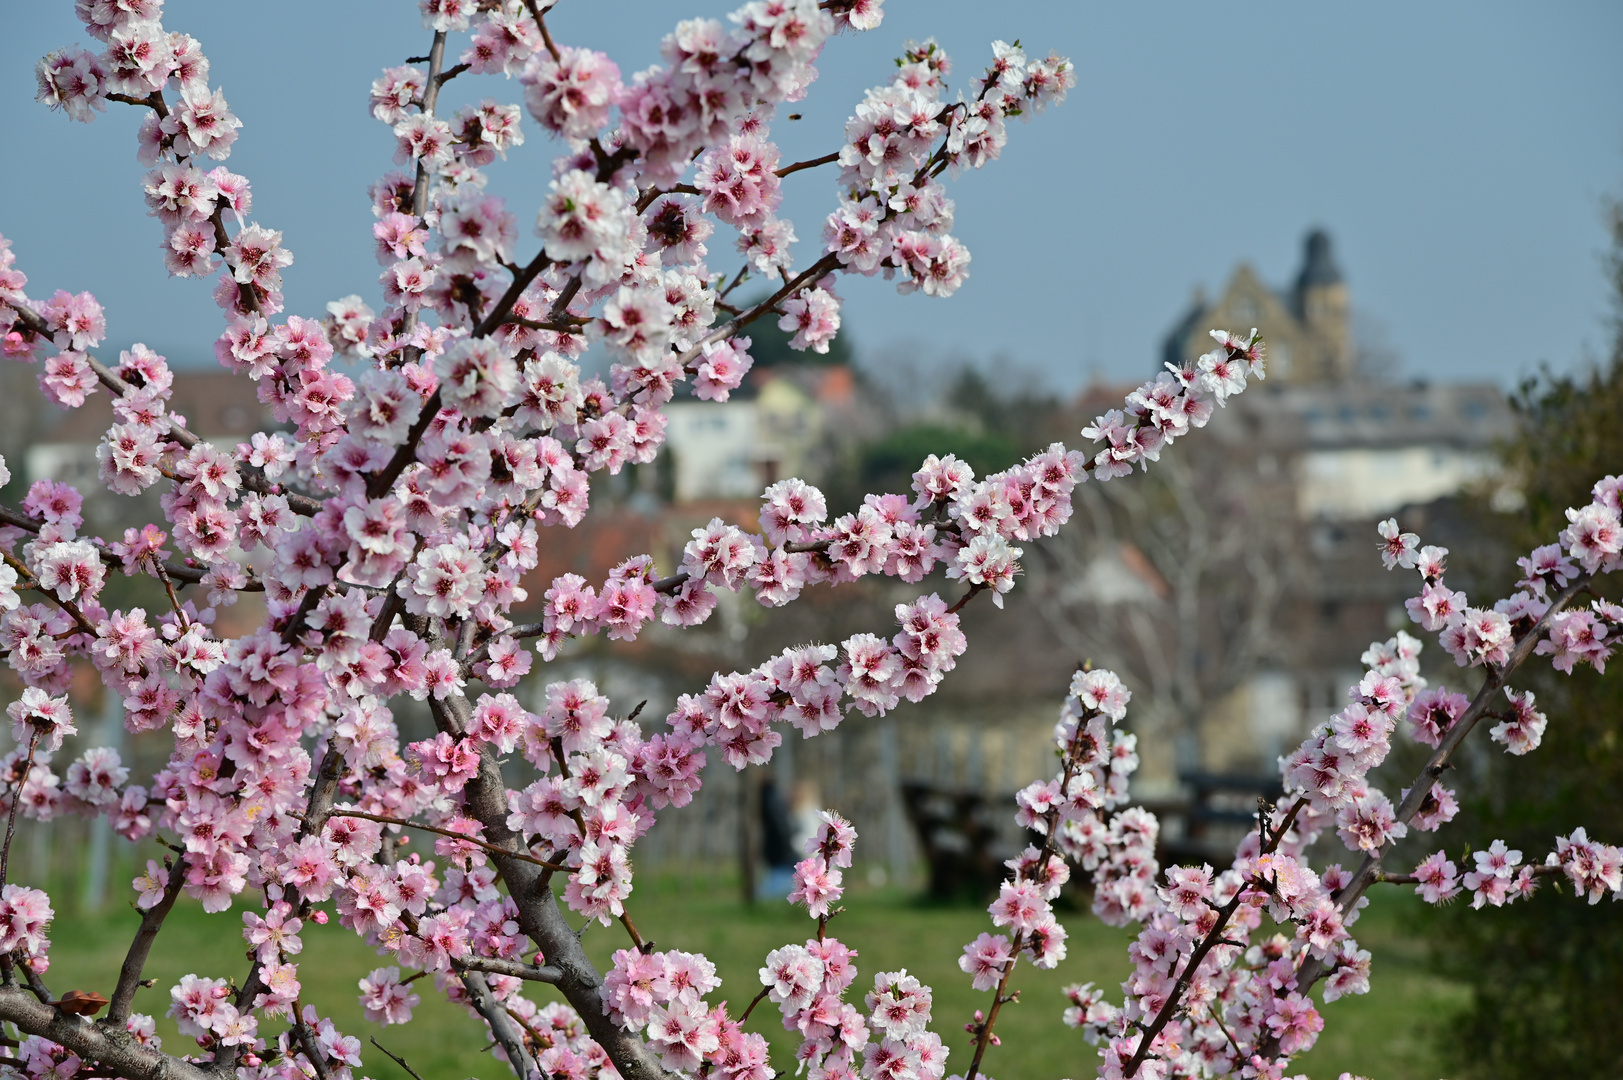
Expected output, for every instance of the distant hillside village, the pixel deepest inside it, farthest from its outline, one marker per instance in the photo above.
(1234, 587)
(1359, 445)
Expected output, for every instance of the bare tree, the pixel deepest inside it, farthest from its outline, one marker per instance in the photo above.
(1174, 581)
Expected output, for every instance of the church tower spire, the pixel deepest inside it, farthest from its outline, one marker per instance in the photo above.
(1321, 304)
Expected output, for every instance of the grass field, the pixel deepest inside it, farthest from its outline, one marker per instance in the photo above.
(1386, 1035)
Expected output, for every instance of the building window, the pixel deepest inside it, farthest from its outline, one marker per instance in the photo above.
(1279, 358)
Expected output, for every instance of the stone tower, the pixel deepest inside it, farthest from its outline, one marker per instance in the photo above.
(1321, 304)
(1305, 325)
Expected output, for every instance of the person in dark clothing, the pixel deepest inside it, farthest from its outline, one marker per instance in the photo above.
(777, 843)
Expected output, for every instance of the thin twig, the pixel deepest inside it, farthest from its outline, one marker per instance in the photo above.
(492, 848)
(1218, 1020)
(631, 928)
(27, 580)
(129, 975)
(826, 159)
(541, 24)
(451, 73)
(252, 478)
(983, 1031)
(396, 1058)
(169, 587)
(1537, 870)
(17, 801)
(36, 984)
(959, 606)
(738, 279)
(822, 267)
(190, 575)
(541, 973)
(751, 1007)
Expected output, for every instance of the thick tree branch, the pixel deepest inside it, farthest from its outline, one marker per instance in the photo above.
(485, 799)
(105, 1043)
(507, 1033)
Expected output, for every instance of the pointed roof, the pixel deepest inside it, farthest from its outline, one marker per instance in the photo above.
(1318, 265)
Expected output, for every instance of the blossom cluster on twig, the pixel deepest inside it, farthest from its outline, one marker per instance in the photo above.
(1209, 995)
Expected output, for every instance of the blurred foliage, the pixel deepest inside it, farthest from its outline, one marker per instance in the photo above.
(1021, 413)
(889, 463)
(991, 426)
(1547, 975)
(769, 345)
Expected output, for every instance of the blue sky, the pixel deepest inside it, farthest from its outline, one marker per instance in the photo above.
(1460, 153)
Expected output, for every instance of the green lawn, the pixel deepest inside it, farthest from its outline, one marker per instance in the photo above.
(1391, 1032)
(1385, 1035)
